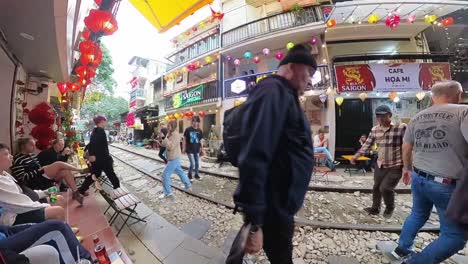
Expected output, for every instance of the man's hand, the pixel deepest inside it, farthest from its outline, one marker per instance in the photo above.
(92, 158)
(406, 176)
(254, 242)
(66, 151)
(354, 159)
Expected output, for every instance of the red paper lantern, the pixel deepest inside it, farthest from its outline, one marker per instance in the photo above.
(101, 22)
(279, 55)
(201, 114)
(256, 59)
(331, 23)
(98, 2)
(92, 57)
(448, 21)
(74, 87)
(83, 81)
(393, 21)
(86, 34)
(85, 72)
(87, 46)
(62, 87)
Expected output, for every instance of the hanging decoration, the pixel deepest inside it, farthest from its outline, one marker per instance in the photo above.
(194, 29)
(176, 115)
(313, 40)
(256, 59)
(331, 23)
(101, 22)
(216, 56)
(83, 81)
(411, 18)
(202, 25)
(228, 57)
(74, 87)
(237, 62)
(363, 96)
(216, 15)
(323, 98)
(62, 87)
(290, 45)
(208, 59)
(248, 55)
(430, 19)
(92, 57)
(85, 72)
(201, 114)
(393, 95)
(86, 34)
(279, 55)
(266, 51)
(184, 69)
(43, 116)
(372, 19)
(420, 95)
(237, 103)
(448, 21)
(339, 100)
(393, 20)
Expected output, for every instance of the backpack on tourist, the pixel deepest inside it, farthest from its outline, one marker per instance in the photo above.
(232, 133)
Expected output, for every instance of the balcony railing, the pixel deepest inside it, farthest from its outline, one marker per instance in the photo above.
(199, 48)
(271, 24)
(240, 86)
(209, 94)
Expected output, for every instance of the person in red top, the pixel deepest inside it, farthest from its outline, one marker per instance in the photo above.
(389, 139)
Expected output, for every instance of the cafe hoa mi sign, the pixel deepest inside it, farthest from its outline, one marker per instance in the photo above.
(186, 97)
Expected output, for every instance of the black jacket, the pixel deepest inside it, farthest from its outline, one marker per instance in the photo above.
(276, 156)
(50, 156)
(98, 145)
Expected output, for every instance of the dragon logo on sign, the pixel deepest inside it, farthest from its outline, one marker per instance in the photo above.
(353, 75)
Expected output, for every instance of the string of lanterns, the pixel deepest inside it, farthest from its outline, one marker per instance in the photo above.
(181, 115)
(193, 66)
(99, 22)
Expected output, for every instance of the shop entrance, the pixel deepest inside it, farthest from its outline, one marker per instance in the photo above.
(355, 120)
(208, 120)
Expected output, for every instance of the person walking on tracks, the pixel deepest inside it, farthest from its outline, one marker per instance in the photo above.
(389, 138)
(435, 150)
(193, 146)
(276, 156)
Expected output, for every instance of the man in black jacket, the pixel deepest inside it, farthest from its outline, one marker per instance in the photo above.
(57, 152)
(99, 156)
(276, 158)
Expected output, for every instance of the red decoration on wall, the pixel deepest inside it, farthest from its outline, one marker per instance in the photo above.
(74, 87)
(201, 114)
(448, 21)
(87, 47)
(43, 117)
(84, 81)
(62, 87)
(98, 2)
(216, 15)
(85, 72)
(86, 34)
(92, 57)
(101, 22)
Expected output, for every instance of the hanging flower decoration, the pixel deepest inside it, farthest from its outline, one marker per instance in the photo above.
(372, 19)
(430, 19)
(289, 45)
(313, 40)
(279, 55)
(331, 23)
(248, 55)
(101, 22)
(256, 59)
(420, 95)
(216, 15)
(411, 18)
(363, 96)
(448, 21)
(266, 51)
(393, 21)
(237, 62)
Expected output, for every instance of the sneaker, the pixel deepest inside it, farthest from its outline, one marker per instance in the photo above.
(372, 211)
(164, 196)
(388, 212)
(399, 254)
(197, 177)
(336, 163)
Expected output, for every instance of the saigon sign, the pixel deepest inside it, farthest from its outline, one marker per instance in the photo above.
(187, 97)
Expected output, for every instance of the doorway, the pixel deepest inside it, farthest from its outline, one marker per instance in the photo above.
(208, 120)
(354, 120)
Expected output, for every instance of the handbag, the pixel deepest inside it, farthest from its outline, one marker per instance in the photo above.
(457, 208)
(237, 252)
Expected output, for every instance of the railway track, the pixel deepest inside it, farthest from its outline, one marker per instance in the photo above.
(316, 188)
(228, 203)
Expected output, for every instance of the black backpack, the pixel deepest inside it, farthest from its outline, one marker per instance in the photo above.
(232, 133)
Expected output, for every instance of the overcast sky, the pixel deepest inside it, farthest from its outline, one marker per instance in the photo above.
(137, 37)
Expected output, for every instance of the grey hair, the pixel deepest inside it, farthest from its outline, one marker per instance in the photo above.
(447, 88)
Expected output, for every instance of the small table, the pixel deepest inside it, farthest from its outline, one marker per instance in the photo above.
(349, 166)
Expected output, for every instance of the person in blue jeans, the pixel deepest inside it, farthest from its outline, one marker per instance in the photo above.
(173, 151)
(435, 149)
(193, 146)
(321, 145)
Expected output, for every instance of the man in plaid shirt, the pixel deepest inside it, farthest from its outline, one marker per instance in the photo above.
(389, 139)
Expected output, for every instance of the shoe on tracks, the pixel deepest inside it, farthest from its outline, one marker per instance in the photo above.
(168, 196)
(197, 177)
(372, 211)
(388, 212)
(398, 255)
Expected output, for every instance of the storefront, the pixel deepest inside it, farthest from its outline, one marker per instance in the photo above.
(405, 87)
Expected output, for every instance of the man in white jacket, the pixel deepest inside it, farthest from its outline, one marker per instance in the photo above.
(16, 207)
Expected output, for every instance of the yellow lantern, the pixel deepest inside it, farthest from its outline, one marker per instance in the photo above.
(393, 95)
(430, 19)
(420, 95)
(167, 118)
(208, 59)
(202, 25)
(374, 18)
(339, 100)
(363, 96)
(184, 69)
(176, 115)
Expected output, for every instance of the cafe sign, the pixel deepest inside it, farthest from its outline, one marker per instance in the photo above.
(187, 97)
